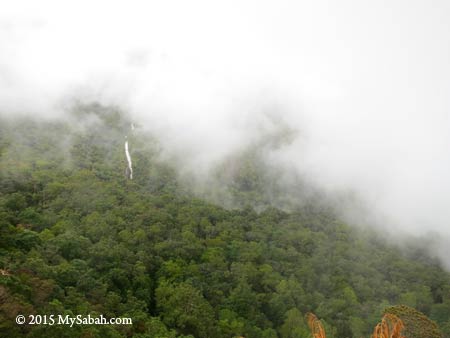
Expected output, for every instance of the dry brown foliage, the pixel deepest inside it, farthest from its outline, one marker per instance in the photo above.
(390, 327)
(5, 272)
(315, 326)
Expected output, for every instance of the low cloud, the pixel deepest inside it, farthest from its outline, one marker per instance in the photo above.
(364, 85)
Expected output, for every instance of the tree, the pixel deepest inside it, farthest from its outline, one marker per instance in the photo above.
(183, 307)
(294, 325)
(417, 325)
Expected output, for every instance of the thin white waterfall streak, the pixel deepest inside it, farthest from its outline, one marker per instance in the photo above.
(127, 153)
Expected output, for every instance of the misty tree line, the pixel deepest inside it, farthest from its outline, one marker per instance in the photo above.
(77, 237)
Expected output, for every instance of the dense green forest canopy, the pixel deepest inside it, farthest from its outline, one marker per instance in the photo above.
(78, 237)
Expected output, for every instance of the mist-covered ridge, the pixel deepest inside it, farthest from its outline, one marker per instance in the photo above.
(79, 237)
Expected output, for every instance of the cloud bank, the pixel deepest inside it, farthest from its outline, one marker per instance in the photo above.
(364, 83)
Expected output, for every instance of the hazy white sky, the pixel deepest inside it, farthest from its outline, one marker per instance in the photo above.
(367, 83)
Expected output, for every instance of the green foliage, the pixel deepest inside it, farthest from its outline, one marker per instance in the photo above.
(183, 307)
(294, 325)
(77, 237)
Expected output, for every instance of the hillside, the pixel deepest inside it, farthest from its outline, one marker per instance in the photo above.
(78, 237)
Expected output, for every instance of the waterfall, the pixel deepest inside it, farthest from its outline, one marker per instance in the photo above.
(129, 171)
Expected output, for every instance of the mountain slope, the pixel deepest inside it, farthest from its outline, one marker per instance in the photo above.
(78, 237)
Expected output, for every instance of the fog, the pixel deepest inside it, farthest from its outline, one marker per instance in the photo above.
(364, 84)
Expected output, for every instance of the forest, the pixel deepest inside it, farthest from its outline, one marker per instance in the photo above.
(78, 237)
